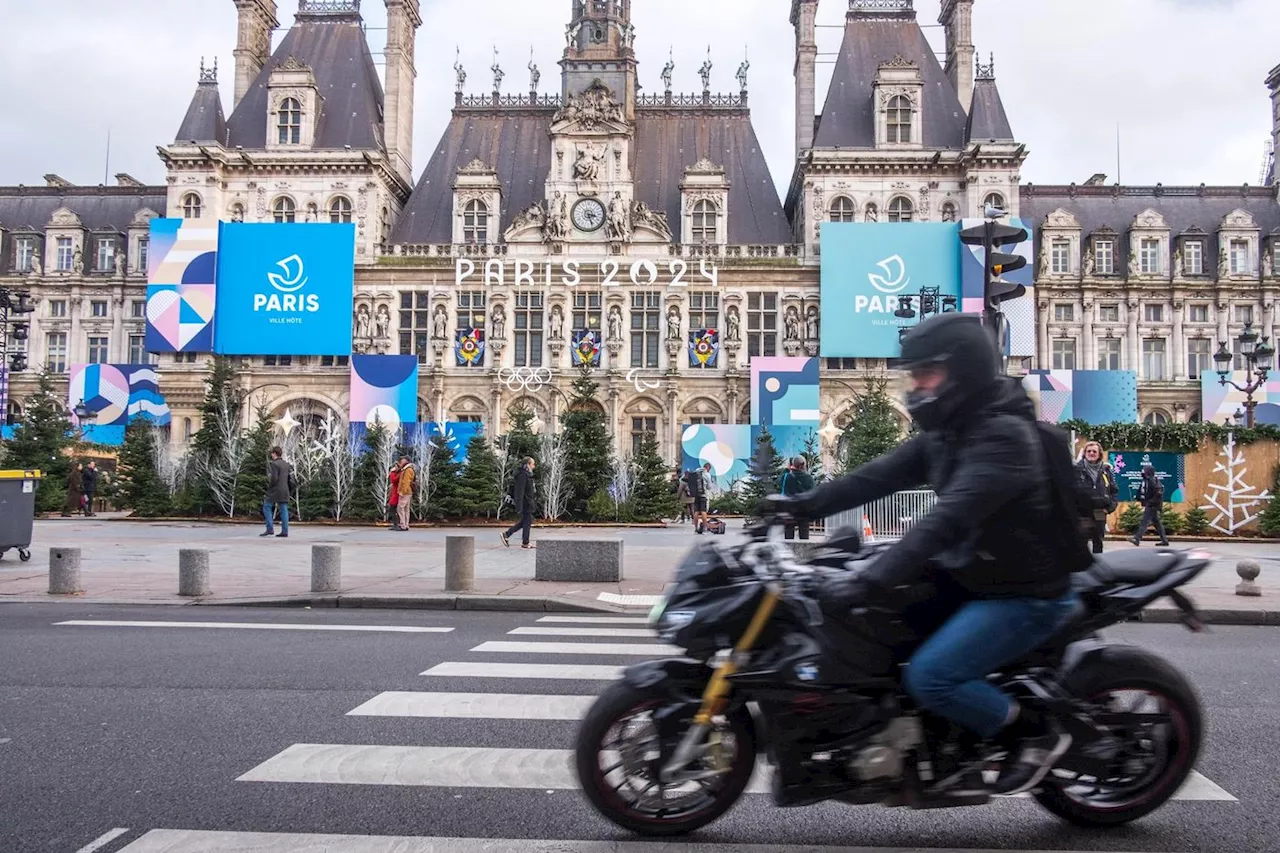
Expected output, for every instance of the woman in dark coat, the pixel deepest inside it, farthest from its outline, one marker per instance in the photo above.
(75, 490)
(1096, 483)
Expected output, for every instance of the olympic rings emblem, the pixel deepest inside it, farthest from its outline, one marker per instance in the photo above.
(524, 378)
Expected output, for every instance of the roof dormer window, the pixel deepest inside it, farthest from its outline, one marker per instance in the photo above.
(289, 126)
(898, 120)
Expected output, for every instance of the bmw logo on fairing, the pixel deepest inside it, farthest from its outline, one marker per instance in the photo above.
(807, 672)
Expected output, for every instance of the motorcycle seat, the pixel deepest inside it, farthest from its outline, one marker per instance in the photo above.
(1136, 566)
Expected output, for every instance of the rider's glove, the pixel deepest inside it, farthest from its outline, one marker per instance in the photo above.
(849, 589)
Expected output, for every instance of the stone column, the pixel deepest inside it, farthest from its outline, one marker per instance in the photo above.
(673, 427)
(1179, 344)
(119, 344)
(1089, 359)
(76, 353)
(1133, 342)
(1044, 359)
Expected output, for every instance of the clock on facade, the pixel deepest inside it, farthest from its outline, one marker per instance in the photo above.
(588, 214)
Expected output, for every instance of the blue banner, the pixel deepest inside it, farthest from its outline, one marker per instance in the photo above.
(869, 269)
(285, 288)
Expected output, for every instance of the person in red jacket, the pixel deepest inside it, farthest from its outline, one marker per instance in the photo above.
(394, 500)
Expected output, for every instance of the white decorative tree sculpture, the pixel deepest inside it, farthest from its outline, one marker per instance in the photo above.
(1234, 500)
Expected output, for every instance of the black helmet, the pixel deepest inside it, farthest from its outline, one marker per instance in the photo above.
(958, 342)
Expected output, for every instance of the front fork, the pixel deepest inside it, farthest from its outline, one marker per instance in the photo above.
(716, 694)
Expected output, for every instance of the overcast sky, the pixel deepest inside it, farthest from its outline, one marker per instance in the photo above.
(1182, 78)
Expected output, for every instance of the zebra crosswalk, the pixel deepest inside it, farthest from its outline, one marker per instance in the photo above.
(483, 684)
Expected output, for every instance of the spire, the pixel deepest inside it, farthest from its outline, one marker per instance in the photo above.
(204, 121)
(988, 121)
(600, 47)
(985, 72)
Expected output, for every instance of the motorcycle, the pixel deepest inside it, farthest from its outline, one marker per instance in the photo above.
(767, 671)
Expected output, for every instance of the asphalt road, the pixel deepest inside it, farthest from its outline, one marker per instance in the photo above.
(147, 729)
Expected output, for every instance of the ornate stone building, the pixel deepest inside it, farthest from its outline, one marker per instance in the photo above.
(636, 216)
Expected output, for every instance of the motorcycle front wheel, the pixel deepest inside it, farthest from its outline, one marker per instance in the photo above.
(620, 753)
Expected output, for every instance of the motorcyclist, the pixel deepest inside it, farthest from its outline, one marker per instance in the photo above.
(980, 452)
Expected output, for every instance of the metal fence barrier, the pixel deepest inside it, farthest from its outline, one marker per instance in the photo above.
(889, 517)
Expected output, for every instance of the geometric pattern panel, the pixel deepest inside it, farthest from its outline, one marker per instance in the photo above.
(384, 388)
(1094, 396)
(182, 264)
(116, 394)
(730, 448)
(784, 391)
(1218, 403)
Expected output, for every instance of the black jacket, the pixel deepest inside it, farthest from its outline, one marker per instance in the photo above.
(1097, 494)
(278, 481)
(89, 478)
(522, 491)
(993, 503)
(1151, 493)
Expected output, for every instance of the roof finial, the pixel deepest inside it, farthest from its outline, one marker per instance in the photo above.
(497, 71)
(459, 72)
(534, 74)
(985, 72)
(669, 68)
(744, 68)
(705, 72)
(209, 75)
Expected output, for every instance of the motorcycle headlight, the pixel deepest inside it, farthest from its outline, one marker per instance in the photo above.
(656, 613)
(671, 623)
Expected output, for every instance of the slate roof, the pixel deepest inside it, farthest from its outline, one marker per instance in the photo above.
(351, 112)
(517, 145)
(99, 208)
(204, 121)
(988, 121)
(848, 117)
(1183, 208)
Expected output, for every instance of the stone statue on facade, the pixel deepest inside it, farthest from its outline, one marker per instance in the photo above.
(1267, 264)
(792, 324)
(460, 74)
(619, 220)
(119, 262)
(587, 166)
(557, 323)
(615, 323)
(873, 212)
(1224, 265)
(37, 266)
(535, 76)
(705, 72)
(811, 325)
(1177, 261)
(742, 73)
(673, 324)
(498, 73)
(440, 324)
(591, 108)
(362, 322)
(382, 324)
(1044, 257)
(1089, 264)
(571, 34)
(77, 261)
(642, 214)
(734, 330)
(557, 226)
(1134, 269)
(668, 71)
(534, 216)
(498, 319)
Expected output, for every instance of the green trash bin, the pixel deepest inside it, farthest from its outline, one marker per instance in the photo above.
(18, 510)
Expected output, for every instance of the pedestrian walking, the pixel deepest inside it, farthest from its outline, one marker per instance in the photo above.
(75, 490)
(279, 491)
(699, 486)
(685, 497)
(406, 486)
(796, 480)
(1096, 489)
(523, 496)
(393, 496)
(89, 481)
(1151, 497)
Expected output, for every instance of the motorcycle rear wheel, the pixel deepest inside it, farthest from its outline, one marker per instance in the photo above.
(1173, 749)
(622, 703)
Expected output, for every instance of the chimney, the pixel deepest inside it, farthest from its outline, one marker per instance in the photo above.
(257, 20)
(957, 17)
(52, 180)
(403, 20)
(804, 14)
(123, 179)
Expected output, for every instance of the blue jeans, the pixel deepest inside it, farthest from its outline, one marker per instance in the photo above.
(269, 511)
(947, 675)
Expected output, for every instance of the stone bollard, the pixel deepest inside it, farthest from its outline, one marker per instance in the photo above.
(459, 563)
(1248, 570)
(193, 572)
(326, 568)
(64, 571)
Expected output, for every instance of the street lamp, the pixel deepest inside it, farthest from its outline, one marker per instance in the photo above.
(1258, 354)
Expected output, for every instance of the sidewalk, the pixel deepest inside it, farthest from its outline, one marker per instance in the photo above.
(138, 563)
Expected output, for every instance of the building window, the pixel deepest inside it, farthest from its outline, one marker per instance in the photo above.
(1064, 354)
(144, 253)
(1240, 363)
(475, 222)
(340, 210)
(66, 251)
(994, 200)
(1064, 313)
(338, 360)
(98, 349)
(192, 207)
(184, 358)
(641, 427)
(415, 325)
(1060, 262)
(529, 324)
(57, 307)
(1109, 353)
(138, 309)
(98, 308)
(705, 222)
(1198, 357)
(1239, 257)
(646, 321)
(704, 313)
(842, 210)
(586, 311)
(277, 360)
(1155, 419)
(1149, 257)
(1199, 313)
(842, 364)
(701, 421)
(1153, 313)
(1244, 314)
(106, 254)
(762, 324)
(285, 210)
(1104, 255)
(56, 352)
(901, 210)
(289, 126)
(1153, 361)
(1193, 257)
(23, 253)
(948, 212)
(1109, 313)
(138, 350)
(899, 120)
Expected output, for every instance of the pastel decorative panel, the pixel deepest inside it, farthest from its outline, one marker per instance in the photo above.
(785, 391)
(384, 388)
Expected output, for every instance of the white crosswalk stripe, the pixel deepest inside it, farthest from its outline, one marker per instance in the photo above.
(475, 706)
(596, 620)
(651, 650)
(620, 633)
(548, 671)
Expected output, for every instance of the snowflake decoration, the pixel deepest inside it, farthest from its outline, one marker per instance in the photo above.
(1233, 500)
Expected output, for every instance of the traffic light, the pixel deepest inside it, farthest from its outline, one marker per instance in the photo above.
(995, 290)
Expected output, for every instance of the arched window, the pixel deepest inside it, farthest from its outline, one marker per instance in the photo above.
(475, 222)
(1156, 419)
(899, 119)
(901, 210)
(705, 225)
(995, 200)
(290, 122)
(237, 212)
(340, 209)
(948, 212)
(187, 431)
(842, 209)
(285, 210)
(192, 207)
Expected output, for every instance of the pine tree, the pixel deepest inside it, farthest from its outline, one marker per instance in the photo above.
(443, 501)
(223, 405)
(651, 496)
(515, 446)
(761, 484)
(812, 454)
(140, 486)
(1269, 520)
(251, 488)
(368, 472)
(586, 444)
(478, 493)
(873, 428)
(40, 441)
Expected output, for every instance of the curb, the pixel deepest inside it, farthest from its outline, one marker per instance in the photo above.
(1215, 616)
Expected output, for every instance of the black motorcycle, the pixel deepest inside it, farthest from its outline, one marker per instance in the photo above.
(673, 745)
